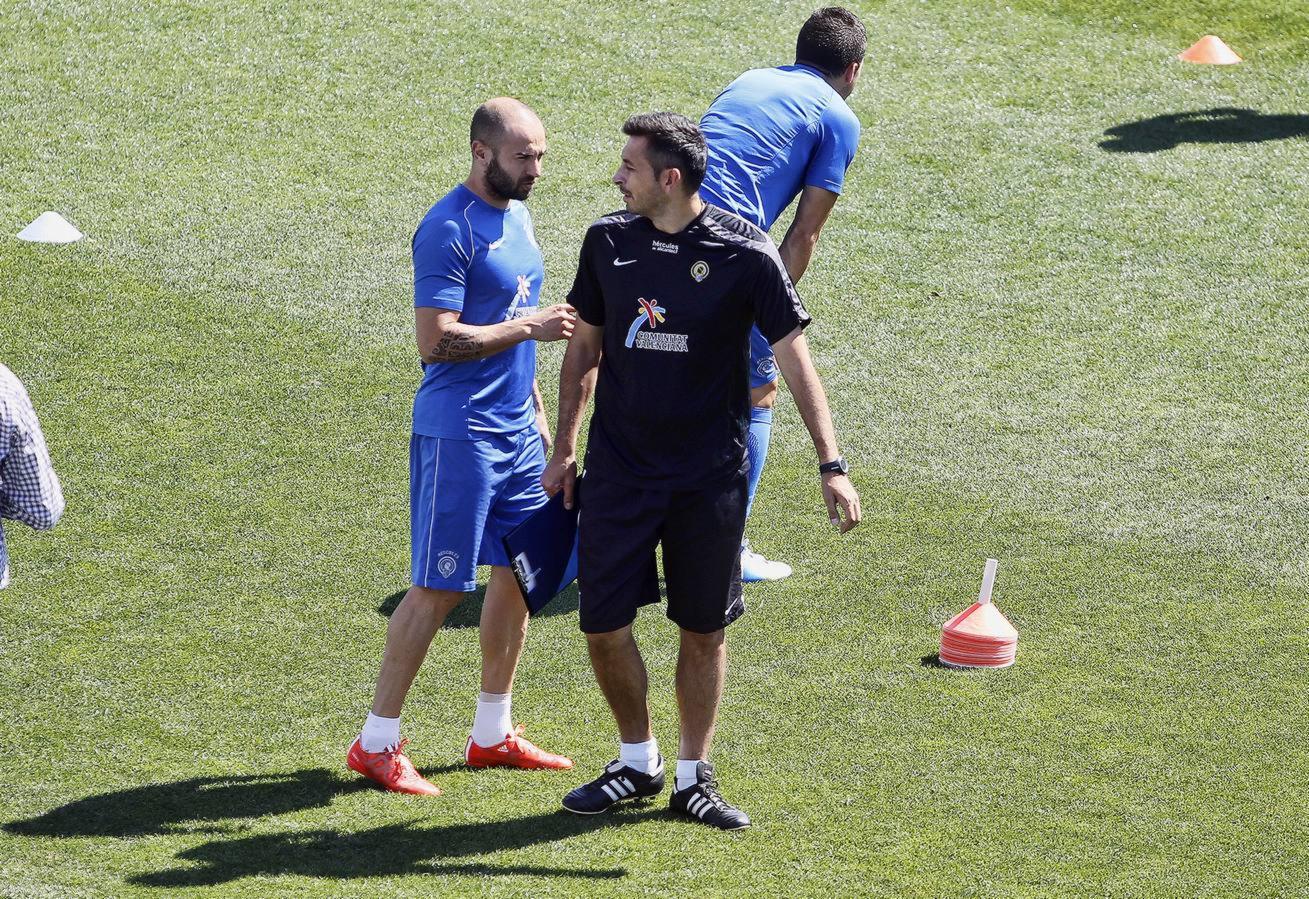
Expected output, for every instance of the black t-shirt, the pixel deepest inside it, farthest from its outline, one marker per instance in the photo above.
(672, 403)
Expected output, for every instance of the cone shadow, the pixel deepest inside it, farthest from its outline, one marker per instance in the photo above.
(1221, 125)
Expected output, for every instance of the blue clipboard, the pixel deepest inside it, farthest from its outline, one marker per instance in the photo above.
(543, 551)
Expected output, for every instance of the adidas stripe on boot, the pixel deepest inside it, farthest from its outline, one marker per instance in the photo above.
(617, 784)
(703, 802)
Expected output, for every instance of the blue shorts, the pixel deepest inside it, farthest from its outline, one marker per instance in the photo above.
(763, 367)
(464, 495)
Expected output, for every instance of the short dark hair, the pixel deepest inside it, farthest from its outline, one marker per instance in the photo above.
(831, 39)
(675, 143)
(488, 124)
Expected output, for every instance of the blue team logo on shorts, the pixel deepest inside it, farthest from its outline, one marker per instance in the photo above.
(447, 562)
(767, 367)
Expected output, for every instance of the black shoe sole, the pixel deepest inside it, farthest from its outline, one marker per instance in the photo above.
(640, 797)
(690, 817)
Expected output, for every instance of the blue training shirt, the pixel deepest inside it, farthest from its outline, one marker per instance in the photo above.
(771, 133)
(484, 263)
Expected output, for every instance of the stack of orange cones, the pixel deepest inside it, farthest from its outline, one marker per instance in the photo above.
(980, 636)
(1209, 50)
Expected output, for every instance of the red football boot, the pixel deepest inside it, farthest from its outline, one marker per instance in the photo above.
(514, 751)
(392, 769)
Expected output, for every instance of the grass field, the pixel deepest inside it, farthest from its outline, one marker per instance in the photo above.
(1061, 314)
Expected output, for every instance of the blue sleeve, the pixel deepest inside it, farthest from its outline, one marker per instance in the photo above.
(442, 253)
(838, 138)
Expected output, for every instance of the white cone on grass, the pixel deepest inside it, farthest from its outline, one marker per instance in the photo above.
(50, 227)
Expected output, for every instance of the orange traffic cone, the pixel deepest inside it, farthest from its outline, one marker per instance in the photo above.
(980, 636)
(1209, 50)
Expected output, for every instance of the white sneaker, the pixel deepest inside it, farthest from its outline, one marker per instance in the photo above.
(755, 567)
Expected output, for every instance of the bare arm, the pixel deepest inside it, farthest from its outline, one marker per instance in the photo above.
(797, 367)
(810, 215)
(442, 337)
(542, 425)
(576, 383)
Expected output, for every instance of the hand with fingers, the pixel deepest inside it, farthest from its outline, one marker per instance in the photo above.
(842, 502)
(560, 474)
(554, 323)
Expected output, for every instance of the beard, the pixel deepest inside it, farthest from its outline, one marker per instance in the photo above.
(503, 185)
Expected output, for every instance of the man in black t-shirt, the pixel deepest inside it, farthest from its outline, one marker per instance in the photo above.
(666, 294)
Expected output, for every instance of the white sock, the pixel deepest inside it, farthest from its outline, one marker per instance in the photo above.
(494, 720)
(379, 733)
(686, 773)
(643, 757)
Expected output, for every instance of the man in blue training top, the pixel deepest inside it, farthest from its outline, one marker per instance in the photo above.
(479, 440)
(773, 135)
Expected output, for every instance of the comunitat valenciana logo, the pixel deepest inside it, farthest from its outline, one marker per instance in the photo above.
(642, 335)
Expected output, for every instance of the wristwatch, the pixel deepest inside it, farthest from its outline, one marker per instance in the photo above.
(836, 466)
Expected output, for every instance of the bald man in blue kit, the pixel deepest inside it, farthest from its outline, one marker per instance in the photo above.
(775, 134)
(478, 444)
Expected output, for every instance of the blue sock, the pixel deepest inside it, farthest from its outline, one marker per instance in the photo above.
(761, 429)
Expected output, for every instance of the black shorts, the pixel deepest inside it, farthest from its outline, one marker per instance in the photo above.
(701, 532)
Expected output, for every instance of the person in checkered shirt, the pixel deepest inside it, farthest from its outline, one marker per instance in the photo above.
(29, 487)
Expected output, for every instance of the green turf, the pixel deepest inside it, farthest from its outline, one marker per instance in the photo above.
(1060, 313)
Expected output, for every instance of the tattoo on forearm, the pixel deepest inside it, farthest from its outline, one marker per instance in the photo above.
(457, 346)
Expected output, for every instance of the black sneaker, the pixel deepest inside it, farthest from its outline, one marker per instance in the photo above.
(618, 782)
(703, 803)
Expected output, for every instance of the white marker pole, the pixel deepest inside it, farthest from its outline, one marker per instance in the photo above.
(988, 582)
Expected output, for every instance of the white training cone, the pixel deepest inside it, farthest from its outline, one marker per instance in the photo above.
(50, 227)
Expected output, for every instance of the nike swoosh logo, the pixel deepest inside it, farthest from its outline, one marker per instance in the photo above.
(624, 261)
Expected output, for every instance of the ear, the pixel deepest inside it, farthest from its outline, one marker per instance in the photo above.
(671, 179)
(481, 151)
(852, 71)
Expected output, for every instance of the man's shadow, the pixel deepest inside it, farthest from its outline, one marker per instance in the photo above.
(219, 805)
(186, 806)
(1222, 125)
(469, 612)
(390, 851)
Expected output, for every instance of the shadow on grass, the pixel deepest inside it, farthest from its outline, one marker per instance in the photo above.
(170, 807)
(391, 851)
(198, 805)
(1222, 125)
(469, 612)
(934, 661)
